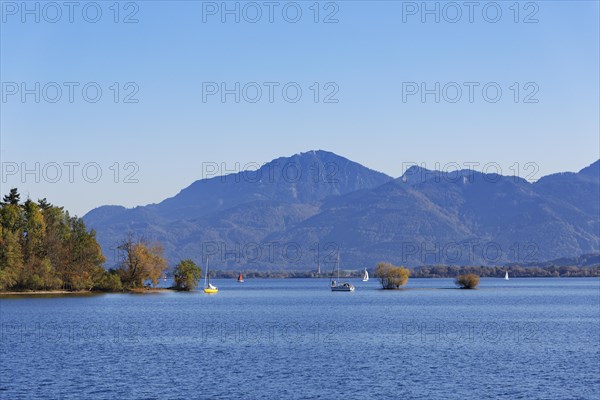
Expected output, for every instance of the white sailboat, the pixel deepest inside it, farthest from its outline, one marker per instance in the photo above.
(365, 277)
(337, 286)
(506, 275)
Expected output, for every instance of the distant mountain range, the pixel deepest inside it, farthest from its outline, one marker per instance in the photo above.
(298, 212)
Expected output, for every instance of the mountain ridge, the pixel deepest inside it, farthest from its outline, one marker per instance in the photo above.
(316, 198)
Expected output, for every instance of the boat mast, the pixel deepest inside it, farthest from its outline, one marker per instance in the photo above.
(206, 275)
(333, 273)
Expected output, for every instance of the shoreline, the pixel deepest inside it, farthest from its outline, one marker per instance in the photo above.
(84, 292)
(26, 292)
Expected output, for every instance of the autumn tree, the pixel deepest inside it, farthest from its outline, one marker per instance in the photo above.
(11, 258)
(56, 242)
(187, 275)
(140, 262)
(390, 276)
(11, 231)
(37, 272)
(468, 281)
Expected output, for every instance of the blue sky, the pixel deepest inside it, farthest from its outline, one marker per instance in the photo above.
(371, 56)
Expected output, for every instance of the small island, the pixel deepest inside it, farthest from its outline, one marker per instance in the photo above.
(468, 281)
(390, 276)
(44, 249)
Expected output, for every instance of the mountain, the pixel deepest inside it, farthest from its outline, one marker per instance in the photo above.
(577, 189)
(242, 207)
(297, 211)
(461, 217)
(585, 260)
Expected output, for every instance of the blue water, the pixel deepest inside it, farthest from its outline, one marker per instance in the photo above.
(279, 339)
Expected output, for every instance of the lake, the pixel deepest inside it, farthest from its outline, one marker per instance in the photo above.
(294, 338)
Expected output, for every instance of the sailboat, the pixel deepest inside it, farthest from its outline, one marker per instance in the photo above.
(240, 278)
(365, 277)
(337, 286)
(209, 287)
(506, 275)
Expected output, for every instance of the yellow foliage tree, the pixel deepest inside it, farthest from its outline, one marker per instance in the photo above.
(391, 276)
(140, 262)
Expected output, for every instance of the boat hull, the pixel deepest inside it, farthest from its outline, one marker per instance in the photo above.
(211, 291)
(342, 288)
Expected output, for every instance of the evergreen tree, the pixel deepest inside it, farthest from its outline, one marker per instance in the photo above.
(43, 204)
(12, 198)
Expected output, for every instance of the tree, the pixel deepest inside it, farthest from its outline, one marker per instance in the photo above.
(41, 277)
(38, 272)
(390, 276)
(107, 281)
(187, 275)
(11, 259)
(468, 281)
(57, 242)
(84, 255)
(12, 198)
(12, 221)
(140, 262)
(43, 248)
(11, 217)
(44, 205)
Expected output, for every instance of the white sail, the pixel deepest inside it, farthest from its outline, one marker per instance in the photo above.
(209, 287)
(365, 276)
(506, 275)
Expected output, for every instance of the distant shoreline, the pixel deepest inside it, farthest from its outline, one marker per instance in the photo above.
(432, 272)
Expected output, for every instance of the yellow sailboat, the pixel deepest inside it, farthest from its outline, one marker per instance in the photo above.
(209, 287)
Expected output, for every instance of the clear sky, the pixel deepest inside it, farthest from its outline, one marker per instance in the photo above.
(375, 61)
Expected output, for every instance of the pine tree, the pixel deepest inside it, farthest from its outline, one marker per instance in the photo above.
(12, 198)
(43, 204)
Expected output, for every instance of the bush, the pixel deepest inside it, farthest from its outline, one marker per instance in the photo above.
(390, 276)
(468, 281)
